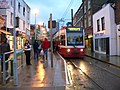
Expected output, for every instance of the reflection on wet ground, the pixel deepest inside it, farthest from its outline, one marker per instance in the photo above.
(37, 76)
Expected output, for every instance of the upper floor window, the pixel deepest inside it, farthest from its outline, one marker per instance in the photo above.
(24, 11)
(84, 7)
(12, 3)
(24, 25)
(89, 20)
(89, 6)
(98, 25)
(11, 19)
(85, 23)
(103, 23)
(18, 7)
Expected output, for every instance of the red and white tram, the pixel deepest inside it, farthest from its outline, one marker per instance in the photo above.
(70, 42)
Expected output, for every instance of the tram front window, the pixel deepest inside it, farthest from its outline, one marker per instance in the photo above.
(75, 39)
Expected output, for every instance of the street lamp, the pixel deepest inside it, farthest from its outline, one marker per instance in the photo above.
(35, 11)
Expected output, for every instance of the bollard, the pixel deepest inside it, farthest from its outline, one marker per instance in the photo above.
(11, 66)
(4, 70)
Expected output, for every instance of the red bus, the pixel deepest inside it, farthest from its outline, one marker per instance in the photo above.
(70, 42)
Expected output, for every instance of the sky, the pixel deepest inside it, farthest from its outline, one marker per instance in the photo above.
(58, 8)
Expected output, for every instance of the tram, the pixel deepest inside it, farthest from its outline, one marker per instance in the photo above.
(70, 42)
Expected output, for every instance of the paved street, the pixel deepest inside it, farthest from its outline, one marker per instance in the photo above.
(35, 76)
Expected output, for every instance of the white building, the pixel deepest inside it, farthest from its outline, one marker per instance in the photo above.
(118, 39)
(104, 31)
(22, 19)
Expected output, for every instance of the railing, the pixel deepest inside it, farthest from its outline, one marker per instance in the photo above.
(8, 74)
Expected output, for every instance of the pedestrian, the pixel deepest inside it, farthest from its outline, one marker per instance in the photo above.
(4, 47)
(45, 46)
(27, 49)
(36, 51)
(39, 48)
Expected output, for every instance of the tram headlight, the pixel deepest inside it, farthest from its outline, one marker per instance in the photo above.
(81, 50)
(68, 50)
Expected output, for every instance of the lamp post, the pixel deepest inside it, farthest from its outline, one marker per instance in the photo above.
(15, 58)
(35, 11)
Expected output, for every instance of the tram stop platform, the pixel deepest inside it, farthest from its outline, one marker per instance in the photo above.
(38, 77)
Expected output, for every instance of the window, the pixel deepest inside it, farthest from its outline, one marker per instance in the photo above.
(103, 44)
(89, 6)
(85, 7)
(98, 25)
(11, 19)
(62, 37)
(24, 25)
(19, 7)
(23, 11)
(96, 45)
(12, 3)
(17, 22)
(75, 38)
(103, 23)
(85, 23)
(89, 20)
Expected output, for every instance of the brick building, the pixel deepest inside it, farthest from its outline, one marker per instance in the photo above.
(83, 18)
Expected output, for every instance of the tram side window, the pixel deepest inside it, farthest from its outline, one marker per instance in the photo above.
(62, 39)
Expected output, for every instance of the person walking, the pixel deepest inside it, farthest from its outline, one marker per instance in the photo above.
(36, 50)
(4, 47)
(27, 49)
(45, 46)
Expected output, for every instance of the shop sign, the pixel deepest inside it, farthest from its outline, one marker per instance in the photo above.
(99, 34)
(4, 3)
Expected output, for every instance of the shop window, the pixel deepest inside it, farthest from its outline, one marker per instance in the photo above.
(103, 44)
(96, 44)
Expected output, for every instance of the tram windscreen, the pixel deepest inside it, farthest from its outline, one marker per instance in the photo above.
(75, 38)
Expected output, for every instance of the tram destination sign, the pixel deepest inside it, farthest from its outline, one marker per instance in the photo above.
(74, 29)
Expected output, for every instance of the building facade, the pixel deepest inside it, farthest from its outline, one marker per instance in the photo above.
(104, 31)
(83, 18)
(117, 21)
(22, 14)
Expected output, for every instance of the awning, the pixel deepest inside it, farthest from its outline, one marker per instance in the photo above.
(5, 32)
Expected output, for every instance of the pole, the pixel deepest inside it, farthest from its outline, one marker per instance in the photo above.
(35, 27)
(15, 61)
(72, 16)
(51, 40)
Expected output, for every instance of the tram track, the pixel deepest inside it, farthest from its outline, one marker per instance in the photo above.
(100, 82)
(101, 88)
(98, 66)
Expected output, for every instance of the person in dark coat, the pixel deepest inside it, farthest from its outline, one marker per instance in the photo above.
(27, 49)
(4, 47)
(36, 50)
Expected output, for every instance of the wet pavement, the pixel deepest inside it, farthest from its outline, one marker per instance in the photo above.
(36, 76)
(113, 59)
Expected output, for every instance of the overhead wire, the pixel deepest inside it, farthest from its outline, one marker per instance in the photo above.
(67, 9)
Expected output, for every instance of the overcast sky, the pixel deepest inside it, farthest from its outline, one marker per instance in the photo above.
(56, 7)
